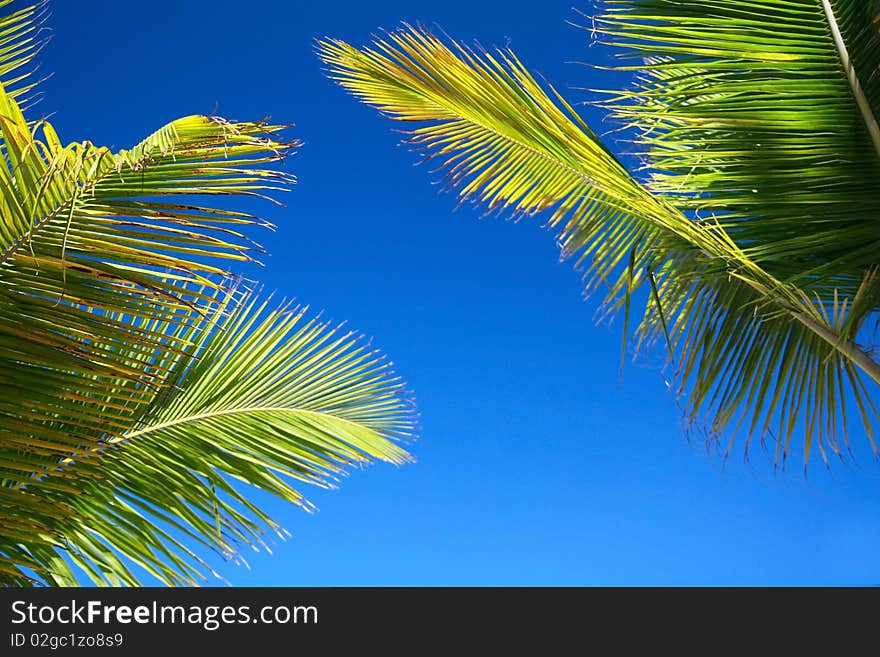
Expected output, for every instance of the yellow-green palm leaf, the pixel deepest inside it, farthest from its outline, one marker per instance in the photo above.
(140, 382)
(272, 398)
(760, 347)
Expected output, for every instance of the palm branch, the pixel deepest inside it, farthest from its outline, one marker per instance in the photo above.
(140, 381)
(753, 235)
(272, 397)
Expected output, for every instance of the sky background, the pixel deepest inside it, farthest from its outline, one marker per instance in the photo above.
(538, 463)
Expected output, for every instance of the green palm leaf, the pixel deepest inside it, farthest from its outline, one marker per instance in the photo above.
(763, 120)
(20, 42)
(755, 346)
(88, 233)
(273, 398)
(141, 386)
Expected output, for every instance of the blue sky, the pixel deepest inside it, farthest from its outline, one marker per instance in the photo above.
(538, 463)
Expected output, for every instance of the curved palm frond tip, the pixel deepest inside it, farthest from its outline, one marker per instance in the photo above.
(140, 386)
(756, 232)
(273, 398)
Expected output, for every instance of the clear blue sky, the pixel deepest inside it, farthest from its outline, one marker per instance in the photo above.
(538, 464)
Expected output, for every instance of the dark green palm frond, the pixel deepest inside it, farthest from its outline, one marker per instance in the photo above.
(765, 119)
(747, 368)
(506, 143)
(749, 113)
(273, 398)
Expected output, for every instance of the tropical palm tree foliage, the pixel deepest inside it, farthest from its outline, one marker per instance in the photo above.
(755, 235)
(142, 383)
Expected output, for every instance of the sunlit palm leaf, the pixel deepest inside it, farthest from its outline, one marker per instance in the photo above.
(20, 41)
(273, 398)
(113, 449)
(503, 141)
(89, 243)
(507, 143)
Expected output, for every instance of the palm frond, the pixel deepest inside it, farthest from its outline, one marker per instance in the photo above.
(503, 141)
(765, 120)
(764, 116)
(97, 268)
(140, 384)
(21, 39)
(508, 144)
(274, 397)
